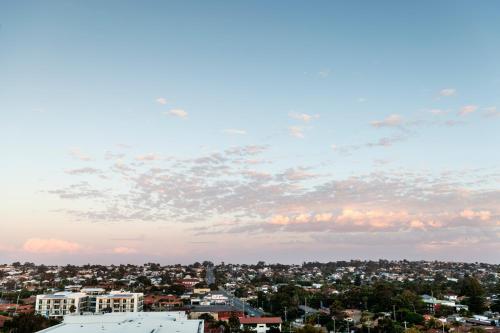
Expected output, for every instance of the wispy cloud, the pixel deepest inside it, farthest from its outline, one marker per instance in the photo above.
(438, 112)
(234, 131)
(447, 92)
(50, 245)
(296, 131)
(491, 111)
(78, 154)
(180, 113)
(149, 157)
(324, 73)
(161, 100)
(82, 171)
(124, 250)
(393, 120)
(468, 109)
(303, 116)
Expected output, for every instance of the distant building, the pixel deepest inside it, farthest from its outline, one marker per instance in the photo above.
(260, 324)
(163, 302)
(433, 303)
(218, 312)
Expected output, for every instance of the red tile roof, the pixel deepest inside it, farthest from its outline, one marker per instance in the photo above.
(261, 320)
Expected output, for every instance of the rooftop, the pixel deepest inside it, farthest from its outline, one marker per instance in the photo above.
(137, 322)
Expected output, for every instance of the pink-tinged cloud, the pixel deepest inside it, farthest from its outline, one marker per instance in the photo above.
(124, 250)
(483, 215)
(148, 157)
(280, 219)
(50, 245)
(391, 121)
(323, 217)
(468, 109)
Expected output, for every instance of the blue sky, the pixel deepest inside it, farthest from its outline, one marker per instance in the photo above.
(315, 96)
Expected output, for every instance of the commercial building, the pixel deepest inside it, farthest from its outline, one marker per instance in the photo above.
(136, 322)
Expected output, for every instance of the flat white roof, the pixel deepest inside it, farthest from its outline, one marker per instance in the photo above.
(131, 322)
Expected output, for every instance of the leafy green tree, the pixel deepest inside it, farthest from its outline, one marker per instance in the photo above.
(472, 289)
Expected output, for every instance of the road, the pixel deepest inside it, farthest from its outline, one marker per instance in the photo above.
(239, 304)
(235, 301)
(209, 275)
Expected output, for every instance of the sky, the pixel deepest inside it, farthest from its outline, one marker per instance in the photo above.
(238, 131)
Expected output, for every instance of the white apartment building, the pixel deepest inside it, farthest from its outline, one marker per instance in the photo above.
(61, 303)
(119, 301)
(92, 294)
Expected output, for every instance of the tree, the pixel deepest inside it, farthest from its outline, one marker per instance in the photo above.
(234, 322)
(72, 309)
(28, 323)
(208, 318)
(472, 289)
(477, 330)
(308, 329)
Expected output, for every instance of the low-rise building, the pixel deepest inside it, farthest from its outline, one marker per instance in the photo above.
(138, 322)
(60, 304)
(119, 301)
(260, 324)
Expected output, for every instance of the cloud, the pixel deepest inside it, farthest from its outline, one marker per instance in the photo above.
(303, 116)
(78, 154)
(296, 131)
(296, 174)
(383, 142)
(438, 112)
(467, 110)
(78, 191)
(234, 131)
(324, 73)
(124, 250)
(491, 111)
(50, 245)
(83, 171)
(323, 217)
(447, 92)
(148, 157)
(483, 215)
(177, 113)
(393, 120)
(249, 150)
(280, 219)
(161, 100)
(220, 193)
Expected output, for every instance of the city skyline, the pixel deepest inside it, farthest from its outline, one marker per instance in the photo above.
(245, 131)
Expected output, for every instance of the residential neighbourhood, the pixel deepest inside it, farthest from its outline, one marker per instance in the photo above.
(343, 296)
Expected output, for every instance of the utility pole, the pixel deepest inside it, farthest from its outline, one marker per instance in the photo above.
(405, 325)
(394, 311)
